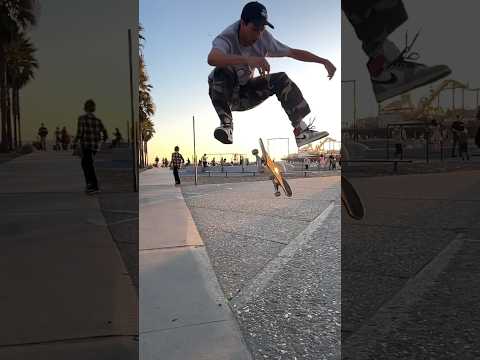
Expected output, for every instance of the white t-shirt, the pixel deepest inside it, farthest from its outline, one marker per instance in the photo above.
(266, 46)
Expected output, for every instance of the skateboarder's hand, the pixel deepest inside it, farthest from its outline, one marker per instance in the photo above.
(330, 69)
(261, 64)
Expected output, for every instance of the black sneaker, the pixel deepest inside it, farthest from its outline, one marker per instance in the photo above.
(224, 134)
(403, 74)
(304, 134)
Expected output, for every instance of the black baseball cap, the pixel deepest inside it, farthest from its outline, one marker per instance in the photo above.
(256, 13)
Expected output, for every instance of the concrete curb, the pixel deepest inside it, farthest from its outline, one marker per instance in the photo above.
(183, 312)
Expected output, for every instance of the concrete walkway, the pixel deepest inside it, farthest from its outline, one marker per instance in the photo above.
(183, 312)
(65, 291)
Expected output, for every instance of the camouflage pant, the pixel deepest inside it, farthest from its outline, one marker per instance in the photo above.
(227, 95)
(374, 20)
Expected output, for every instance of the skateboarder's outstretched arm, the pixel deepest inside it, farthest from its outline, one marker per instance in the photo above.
(306, 56)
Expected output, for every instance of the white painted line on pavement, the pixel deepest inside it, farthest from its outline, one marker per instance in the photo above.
(394, 313)
(123, 221)
(262, 279)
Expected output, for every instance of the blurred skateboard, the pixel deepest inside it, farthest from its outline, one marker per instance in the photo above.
(351, 201)
(276, 176)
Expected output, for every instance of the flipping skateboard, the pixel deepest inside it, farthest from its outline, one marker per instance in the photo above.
(276, 176)
(351, 201)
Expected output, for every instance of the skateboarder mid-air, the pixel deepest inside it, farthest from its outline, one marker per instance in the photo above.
(240, 49)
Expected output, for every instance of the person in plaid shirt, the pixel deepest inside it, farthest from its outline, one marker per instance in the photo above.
(90, 131)
(175, 163)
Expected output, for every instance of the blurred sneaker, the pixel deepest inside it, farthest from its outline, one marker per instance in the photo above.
(394, 73)
(304, 134)
(224, 134)
(351, 201)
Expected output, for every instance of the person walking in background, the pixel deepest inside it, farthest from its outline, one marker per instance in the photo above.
(175, 164)
(156, 161)
(43, 132)
(65, 138)
(463, 144)
(58, 138)
(398, 137)
(457, 127)
(436, 135)
(117, 138)
(332, 162)
(306, 163)
(90, 131)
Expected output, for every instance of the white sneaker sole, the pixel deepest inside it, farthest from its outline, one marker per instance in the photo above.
(418, 82)
(311, 139)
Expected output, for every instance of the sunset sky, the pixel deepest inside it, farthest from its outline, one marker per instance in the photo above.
(82, 54)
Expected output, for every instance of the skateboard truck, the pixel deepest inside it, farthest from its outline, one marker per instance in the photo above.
(276, 192)
(277, 178)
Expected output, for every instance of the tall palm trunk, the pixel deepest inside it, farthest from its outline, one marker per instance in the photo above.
(3, 102)
(139, 144)
(146, 153)
(14, 116)
(17, 107)
(144, 157)
(9, 120)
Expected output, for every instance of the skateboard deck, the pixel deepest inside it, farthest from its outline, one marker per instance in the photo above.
(351, 201)
(277, 177)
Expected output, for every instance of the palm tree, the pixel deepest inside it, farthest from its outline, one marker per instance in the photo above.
(21, 64)
(15, 16)
(147, 106)
(147, 133)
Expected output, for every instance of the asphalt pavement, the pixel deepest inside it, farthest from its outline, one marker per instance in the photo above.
(277, 261)
(410, 268)
(66, 292)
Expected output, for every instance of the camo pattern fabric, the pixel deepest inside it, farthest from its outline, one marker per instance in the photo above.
(374, 20)
(227, 95)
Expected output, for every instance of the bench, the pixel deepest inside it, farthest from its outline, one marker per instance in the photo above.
(229, 172)
(395, 162)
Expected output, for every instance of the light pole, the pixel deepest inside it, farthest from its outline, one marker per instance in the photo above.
(355, 130)
(132, 117)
